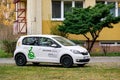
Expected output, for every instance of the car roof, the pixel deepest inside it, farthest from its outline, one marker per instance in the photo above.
(40, 36)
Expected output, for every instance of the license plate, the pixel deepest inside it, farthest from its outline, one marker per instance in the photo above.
(86, 57)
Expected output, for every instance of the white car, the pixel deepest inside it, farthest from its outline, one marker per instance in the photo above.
(49, 48)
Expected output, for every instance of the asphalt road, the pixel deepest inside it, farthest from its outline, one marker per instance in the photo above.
(93, 60)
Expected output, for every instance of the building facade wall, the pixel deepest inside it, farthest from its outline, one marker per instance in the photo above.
(46, 16)
(97, 48)
(89, 3)
(39, 19)
(47, 22)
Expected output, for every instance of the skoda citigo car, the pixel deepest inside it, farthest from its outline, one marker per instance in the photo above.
(49, 48)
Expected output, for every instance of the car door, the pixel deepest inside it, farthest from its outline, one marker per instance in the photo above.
(30, 47)
(47, 52)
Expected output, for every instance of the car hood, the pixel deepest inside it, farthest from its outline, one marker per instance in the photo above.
(79, 48)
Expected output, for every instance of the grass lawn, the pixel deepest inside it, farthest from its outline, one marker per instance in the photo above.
(92, 71)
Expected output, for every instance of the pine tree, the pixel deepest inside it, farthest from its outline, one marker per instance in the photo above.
(91, 20)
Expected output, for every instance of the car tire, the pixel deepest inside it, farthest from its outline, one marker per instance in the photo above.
(67, 61)
(20, 60)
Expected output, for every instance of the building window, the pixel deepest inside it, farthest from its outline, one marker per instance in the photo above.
(102, 2)
(60, 7)
(119, 12)
(116, 10)
(107, 43)
(113, 9)
(110, 43)
(30, 41)
(56, 9)
(67, 6)
(79, 4)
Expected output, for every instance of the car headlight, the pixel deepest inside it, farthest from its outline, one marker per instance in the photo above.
(75, 51)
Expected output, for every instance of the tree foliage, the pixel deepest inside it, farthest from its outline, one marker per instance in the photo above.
(7, 12)
(90, 20)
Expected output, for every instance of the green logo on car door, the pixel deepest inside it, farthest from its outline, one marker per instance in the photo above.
(31, 54)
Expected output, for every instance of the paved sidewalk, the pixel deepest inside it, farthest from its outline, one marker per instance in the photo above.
(93, 60)
(7, 60)
(105, 59)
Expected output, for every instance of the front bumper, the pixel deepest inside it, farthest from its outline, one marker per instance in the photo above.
(83, 59)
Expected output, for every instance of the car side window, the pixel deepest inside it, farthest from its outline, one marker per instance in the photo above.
(30, 41)
(45, 42)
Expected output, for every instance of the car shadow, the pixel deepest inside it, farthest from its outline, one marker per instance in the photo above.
(56, 65)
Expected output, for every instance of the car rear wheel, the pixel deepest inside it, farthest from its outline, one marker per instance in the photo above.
(67, 61)
(20, 60)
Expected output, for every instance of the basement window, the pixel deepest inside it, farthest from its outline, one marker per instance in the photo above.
(118, 43)
(108, 43)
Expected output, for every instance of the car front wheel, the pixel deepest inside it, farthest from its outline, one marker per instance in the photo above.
(67, 61)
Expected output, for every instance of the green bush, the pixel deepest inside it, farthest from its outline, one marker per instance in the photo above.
(3, 54)
(9, 46)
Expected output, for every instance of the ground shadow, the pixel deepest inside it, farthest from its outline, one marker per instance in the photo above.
(56, 65)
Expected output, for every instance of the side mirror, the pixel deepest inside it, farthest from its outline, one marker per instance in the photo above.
(54, 45)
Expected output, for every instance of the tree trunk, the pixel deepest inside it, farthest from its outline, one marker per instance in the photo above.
(88, 44)
(91, 44)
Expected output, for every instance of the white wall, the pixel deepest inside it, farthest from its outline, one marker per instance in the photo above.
(34, 18)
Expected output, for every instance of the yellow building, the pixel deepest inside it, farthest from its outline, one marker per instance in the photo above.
(39, 16)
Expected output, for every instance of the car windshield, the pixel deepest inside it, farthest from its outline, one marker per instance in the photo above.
(64, 41)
